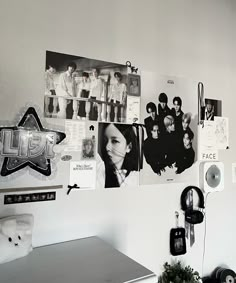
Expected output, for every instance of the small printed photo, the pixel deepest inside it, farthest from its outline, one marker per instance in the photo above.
(134, 85)
(88, 146)
(179, 245)
(211, 109)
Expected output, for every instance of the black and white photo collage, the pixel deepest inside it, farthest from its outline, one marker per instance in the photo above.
(136, 129)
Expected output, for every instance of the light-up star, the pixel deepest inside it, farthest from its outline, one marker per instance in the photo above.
(28, 144)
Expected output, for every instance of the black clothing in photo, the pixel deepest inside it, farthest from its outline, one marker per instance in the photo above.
(154, 154)
(171, 147)
(162, 113)
(178, 120)
(185, 159)
(81, 111)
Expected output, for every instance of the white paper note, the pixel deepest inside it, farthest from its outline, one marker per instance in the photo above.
(133, 109)
(75, 132)
(222, 132)
(83, 174)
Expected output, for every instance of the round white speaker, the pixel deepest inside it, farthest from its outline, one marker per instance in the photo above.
(212, 176)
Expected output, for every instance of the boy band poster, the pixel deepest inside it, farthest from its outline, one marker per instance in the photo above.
(169, 114)
(165, 150)
(81, 88)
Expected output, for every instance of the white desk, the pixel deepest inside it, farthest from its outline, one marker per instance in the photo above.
(88, 260)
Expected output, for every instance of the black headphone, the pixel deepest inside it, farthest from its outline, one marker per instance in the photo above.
(192, 216)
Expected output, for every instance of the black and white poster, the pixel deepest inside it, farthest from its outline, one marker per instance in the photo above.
(169, 113)
(81, 88)
(118, 156)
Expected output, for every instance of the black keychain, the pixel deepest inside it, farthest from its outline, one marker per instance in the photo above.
(177, 239)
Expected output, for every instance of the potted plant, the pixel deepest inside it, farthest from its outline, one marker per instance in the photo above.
(176, 273)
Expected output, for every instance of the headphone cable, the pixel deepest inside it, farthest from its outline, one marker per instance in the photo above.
(204, 238)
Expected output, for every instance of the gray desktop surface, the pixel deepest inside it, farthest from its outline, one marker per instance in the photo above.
(88, 260)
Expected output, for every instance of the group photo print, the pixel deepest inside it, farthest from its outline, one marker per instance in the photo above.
(81, 88)
(169, 116)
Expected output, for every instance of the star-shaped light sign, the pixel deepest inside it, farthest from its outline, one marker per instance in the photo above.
(28, 144)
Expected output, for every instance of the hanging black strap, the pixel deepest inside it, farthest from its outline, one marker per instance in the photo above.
(140, 140)
(200, 99)
(141, 147)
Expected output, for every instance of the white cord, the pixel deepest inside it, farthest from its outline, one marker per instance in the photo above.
(204, 238)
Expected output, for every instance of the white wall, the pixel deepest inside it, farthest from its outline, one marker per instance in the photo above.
(194, 39)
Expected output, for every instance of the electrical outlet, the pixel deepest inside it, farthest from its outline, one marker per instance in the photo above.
(34, 197)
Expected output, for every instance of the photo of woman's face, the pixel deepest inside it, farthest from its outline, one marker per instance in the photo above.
(116, 145)
(88, 147)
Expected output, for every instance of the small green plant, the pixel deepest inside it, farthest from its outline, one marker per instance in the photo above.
(176, 273)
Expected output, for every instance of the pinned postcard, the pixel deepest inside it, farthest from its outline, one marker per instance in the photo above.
(83, 174)
(81, 139)
(74, 131)
(207, 141)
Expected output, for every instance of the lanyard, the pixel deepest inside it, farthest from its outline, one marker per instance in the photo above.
(200, 99)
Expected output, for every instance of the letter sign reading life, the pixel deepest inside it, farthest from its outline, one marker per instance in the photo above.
(28, 144)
